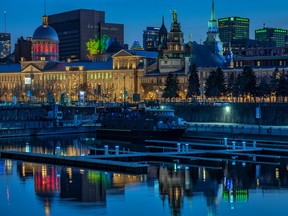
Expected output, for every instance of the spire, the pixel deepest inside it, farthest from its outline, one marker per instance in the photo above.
(163, 21)
(213, 12)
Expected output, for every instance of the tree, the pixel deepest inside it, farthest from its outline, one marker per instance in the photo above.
(193, 83)
(275, 80)
(3, 91)
(230, 84)
(171, 89)
(248, 82)
(215, 84)
(282, 89)
(263, 89)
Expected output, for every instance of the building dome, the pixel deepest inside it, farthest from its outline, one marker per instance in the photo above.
(45, 43)
(45, 32)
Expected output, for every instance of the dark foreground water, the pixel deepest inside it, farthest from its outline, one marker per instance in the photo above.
(168, 189)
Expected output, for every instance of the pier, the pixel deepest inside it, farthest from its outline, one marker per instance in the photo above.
(158, 151)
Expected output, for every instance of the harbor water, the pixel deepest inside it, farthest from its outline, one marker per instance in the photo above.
(234, 188)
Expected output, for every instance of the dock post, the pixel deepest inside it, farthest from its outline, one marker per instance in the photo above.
(244, 145)
(254, 144)
(183, 148)
(178, 147)
(117, 150)
(233, 145)
(186, 147)
(106, 149)
(225, 141)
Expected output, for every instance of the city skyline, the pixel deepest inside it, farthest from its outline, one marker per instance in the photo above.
(137, 15)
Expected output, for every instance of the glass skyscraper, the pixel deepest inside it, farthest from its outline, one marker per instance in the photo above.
(151, 38)
(269, 37)
(233, 28)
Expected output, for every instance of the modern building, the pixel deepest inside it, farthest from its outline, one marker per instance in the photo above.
(269, 37)
(151, 38)
(213, 40)
(5, 45)
(76, 28)
(23, 49)
(233, 28)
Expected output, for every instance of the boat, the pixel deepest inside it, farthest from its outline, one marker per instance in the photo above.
(138, 123)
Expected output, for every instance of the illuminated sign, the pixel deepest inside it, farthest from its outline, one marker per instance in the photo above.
(242, 19)
(223, 20)
(27, 80)
(261, 31)
(280, 31)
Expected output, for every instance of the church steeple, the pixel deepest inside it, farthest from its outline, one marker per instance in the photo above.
(213, 41)
(213, 12)
(212, 23)
(162, 36)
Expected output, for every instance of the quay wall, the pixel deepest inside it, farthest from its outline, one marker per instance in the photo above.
(240, 113)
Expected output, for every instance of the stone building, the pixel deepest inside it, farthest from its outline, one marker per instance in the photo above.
(45, 78)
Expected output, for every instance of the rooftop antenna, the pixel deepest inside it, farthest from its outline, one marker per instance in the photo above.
(44, 7)
(5, 21)
(263, 25)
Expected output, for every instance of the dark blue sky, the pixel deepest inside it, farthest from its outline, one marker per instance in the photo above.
(23, 17)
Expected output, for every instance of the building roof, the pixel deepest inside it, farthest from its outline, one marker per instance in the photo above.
(143, 53)
(8, 68)
(108, 65)
(45, 32)
(203, 57)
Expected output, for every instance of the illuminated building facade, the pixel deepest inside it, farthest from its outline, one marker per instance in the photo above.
(5, 44)
(269, 37)
(151, 38)
(101, 81)
(75, 28)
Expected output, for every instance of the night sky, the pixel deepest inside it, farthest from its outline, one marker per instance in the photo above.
(23, 17)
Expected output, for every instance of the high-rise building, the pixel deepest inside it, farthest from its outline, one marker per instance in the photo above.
(233, 28)
(5, 45)
(76, 28)
(151, 38)
(269, 37)
(23, 49)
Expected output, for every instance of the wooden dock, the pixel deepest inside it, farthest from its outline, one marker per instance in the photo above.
(83, 162)
(187, 154)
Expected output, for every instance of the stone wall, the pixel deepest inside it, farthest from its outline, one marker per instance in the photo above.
(271, 114)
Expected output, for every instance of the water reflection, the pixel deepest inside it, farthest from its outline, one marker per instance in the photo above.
(176, 186)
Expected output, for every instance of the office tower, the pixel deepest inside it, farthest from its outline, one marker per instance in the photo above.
(269, 37)
(233, 28)
(5, 45)
(76, 28)
(23, 49)
(151, 38)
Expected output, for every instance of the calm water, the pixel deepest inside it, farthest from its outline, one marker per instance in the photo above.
(167, 189)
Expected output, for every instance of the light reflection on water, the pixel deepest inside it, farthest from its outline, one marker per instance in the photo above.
(167, 189)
